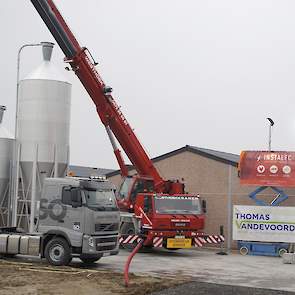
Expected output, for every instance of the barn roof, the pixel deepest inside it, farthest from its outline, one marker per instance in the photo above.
(227, 158)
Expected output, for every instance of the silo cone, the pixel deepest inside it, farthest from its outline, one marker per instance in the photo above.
(43, 133)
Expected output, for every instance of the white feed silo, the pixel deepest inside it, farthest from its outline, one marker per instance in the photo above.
(43, 133)
(6, 148)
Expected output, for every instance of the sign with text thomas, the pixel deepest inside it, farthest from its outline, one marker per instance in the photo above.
(264, 223)
(266, 168)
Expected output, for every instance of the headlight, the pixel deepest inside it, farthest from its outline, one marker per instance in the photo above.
(91, 242)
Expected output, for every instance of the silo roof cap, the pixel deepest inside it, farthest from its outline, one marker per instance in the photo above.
(46, 71)
(4, 133)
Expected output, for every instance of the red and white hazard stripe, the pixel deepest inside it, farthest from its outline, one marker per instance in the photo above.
(158, 242)
(211, 240)
(200, 241)
(129, 239)
(197, 242)
(221, 238)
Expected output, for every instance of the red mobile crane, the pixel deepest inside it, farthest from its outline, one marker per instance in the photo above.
(158, 209)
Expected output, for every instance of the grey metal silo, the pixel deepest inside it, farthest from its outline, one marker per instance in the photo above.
(6, 148)
(43, 134)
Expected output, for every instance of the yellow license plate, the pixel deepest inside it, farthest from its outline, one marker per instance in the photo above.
(179, 243)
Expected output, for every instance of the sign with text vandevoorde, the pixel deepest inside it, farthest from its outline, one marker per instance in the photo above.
(264, 223)
(266, 168)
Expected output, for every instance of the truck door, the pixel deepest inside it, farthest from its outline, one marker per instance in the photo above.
(147, 209)
(74, 219)
(50, 209)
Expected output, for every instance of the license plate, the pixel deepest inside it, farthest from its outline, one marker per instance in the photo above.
(179, 243)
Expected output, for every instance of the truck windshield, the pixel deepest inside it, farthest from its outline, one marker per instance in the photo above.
(101, 200)
(124, 189)
(177, 205)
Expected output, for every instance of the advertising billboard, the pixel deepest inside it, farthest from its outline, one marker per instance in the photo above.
(264, 223)
(265, 168)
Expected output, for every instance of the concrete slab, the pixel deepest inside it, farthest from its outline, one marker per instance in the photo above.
(206, 266)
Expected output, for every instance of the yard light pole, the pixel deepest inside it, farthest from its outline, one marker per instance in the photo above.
(15, 164)
(44, 45)
(271, 123)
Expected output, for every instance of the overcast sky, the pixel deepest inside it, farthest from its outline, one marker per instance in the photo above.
(202, 73)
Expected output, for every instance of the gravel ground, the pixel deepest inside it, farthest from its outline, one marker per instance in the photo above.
(201, 288)
(24, 278)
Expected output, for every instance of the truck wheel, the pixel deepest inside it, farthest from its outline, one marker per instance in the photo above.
(126, 230)
(58, 252)
(282, 251)
(8, 255)
(244, 250)
(90, 259)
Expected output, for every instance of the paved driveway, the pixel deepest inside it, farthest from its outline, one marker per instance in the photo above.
(206, 266)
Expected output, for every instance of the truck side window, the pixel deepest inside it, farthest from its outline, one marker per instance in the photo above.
(147, 204)
(138, 188)
(66, 196)
(76, 197)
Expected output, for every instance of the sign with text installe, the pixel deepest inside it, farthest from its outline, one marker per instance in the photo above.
(266, 168)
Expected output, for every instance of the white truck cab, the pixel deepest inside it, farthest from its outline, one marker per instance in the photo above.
(77, 218)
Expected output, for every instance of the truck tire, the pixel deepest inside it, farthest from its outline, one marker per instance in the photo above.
(127, 229)
(7, 256)
(58, 252)
(244, 250)
(90, 259)
(282, 251)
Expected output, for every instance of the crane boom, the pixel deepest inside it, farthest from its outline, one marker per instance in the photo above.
(107, 108)
(147, 194)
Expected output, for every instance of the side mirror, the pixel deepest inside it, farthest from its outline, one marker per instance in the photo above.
(76, 198)
(204, 206)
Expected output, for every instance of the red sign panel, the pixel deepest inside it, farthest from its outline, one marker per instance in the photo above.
(266, 168)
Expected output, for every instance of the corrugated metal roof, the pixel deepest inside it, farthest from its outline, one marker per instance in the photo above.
(80, 171)
(221, 155)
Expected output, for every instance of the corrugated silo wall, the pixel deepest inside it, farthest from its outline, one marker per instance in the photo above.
(210, 178)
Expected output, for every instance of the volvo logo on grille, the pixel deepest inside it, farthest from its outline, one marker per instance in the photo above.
(106, 227)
